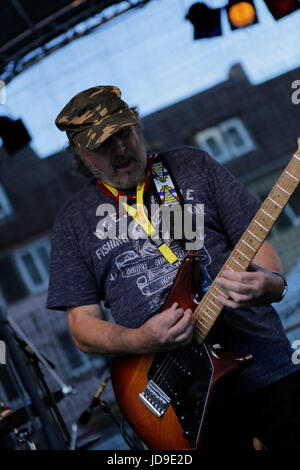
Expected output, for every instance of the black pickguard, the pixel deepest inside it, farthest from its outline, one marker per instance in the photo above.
(185, 376)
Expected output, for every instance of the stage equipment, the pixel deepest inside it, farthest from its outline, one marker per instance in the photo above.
(47, 430)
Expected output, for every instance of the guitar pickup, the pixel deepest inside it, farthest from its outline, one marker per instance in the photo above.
(155, 399)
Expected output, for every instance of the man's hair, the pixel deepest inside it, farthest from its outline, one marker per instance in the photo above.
(78, 163)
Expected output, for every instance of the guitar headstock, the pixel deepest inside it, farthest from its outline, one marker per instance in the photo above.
(298, 150)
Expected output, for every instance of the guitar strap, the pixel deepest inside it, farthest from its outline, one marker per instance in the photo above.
(166, 192)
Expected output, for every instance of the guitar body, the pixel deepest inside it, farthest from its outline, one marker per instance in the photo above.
(165, 398)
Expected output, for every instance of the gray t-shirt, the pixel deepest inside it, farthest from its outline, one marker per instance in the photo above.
(133, 278)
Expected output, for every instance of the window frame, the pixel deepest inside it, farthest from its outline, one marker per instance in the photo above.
(236, 123)
(39, 265)
(220, 134)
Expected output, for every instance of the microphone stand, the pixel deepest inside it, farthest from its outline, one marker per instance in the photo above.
(51, 402)
(49, 438)
(35, 358)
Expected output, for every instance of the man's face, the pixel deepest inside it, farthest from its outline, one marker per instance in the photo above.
(120, 161)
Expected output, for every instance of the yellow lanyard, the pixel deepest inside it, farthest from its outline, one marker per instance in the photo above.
(140, 217)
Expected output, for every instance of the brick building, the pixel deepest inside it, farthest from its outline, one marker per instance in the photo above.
(252, 130)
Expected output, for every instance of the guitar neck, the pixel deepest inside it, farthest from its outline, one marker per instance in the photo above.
(209, 308)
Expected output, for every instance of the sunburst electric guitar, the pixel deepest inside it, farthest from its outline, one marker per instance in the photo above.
(165, 397)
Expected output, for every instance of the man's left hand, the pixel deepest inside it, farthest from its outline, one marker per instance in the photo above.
(257, 286)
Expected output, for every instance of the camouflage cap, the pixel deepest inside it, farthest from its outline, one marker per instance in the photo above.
(93, 115)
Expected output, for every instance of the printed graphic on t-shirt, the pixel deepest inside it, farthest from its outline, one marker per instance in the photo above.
(146, 263)
(151, 272)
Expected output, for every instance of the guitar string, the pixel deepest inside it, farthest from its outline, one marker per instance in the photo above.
(197, 331)
(159, 375)
(167, 362)
(179, 354)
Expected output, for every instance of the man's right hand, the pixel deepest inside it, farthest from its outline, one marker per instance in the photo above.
(162, 332)
(167, 330)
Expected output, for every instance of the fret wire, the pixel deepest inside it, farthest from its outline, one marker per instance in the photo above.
(271, 217)
(206, 326)
(249, 246)
(253, 242)
(219, 307)
(237, 263)
(261, 218)
(222, 293)
(282, 189)
(257, 238)
(214, 295)
(243, 254)
(276, 203)
(197, 332)
(205, 319)
(200, 317)
(275, 210)
(216, 313)
(203, 325)
(197, 328)
(292, 176)
(229, 267)
(295, 168)
(211, 311)
(288, 184)
(266, 229)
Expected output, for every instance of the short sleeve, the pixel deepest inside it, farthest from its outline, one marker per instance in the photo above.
(236, 206)
(72, 283)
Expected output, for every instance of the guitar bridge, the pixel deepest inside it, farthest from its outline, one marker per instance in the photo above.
(155, 399)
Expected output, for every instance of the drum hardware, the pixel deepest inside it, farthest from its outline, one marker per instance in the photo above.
(131, 440)
(51, 432)
(35, 358)
(24, 436)
(30, 349)
(73, 437)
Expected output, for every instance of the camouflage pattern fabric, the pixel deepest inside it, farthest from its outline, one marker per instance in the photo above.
(93, 115)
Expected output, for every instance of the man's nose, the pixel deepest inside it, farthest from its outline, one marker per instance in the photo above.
(119, 145)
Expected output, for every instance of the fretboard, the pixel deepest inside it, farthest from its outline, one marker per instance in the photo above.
(209, 308)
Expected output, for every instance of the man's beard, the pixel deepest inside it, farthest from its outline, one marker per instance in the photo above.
(130, 179)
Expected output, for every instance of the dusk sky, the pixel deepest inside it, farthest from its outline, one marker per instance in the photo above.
(151, 55)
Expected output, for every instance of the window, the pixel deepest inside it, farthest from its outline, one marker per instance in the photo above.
(13, 287)
(5, 206)
(33, 262)
(76, 361)
(227, 140)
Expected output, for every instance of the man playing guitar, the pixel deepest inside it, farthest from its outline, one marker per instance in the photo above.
(133, 274)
